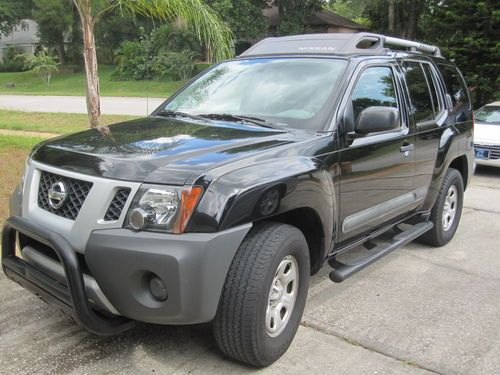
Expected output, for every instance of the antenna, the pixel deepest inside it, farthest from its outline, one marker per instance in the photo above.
(147, 69)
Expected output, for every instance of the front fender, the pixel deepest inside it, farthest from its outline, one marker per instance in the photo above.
(264, 190)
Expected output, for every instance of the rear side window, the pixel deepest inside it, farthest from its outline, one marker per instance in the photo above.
(420, 96)
(436, 103)
(456, 87)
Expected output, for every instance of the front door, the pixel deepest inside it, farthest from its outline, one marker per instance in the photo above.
(377, 169)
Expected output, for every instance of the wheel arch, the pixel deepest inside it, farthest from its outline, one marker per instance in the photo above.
(461, 165)
(308, 221)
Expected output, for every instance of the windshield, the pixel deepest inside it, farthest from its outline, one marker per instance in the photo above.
(291, 92)
(489, 114)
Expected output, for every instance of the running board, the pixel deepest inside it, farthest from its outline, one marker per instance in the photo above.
(342, 271)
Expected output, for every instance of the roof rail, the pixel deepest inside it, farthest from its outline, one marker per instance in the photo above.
(413, 46)
(336, 43)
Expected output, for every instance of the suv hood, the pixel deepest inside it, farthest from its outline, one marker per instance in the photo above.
(486, 133)
(159, 150)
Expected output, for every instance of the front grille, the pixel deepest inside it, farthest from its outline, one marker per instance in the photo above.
(76, 192)
(494, 150)
(116, 206)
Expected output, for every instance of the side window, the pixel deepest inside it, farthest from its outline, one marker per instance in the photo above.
(419, 91)
(434, 93)
(456, 87)
(375, 87)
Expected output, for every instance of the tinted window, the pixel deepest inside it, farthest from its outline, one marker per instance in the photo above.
(455, 86)
(375, 87)
(430, 80)
(419, 91)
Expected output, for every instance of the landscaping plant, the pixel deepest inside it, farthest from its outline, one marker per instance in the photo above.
(44, 65)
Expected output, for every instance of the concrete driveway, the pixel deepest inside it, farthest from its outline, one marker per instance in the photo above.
(419, 310)
(110, 105)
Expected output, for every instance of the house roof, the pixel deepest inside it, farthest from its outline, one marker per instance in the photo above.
(23, 34)
(320, 18)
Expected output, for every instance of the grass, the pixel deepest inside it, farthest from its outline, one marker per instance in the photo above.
(69, 83)
(57, 123)
(13, 152)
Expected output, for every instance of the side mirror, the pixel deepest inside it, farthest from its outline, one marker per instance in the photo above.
(377, 119)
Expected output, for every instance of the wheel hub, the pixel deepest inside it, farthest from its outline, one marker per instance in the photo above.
(282, 296)
(450, 208)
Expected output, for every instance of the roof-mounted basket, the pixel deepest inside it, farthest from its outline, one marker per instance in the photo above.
(362, 43)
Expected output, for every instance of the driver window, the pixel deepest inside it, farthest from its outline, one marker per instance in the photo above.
(375, 87)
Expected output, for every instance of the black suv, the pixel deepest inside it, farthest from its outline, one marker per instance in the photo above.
(220, 205)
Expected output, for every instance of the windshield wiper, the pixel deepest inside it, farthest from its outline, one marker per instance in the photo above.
(168, 113)
(251, 119)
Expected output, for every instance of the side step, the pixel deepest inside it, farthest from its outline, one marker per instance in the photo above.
(342, 271)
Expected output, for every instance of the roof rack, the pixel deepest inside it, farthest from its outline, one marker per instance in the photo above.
(413, 46)
(336, 43)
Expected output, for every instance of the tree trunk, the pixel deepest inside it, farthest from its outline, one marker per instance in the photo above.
(61, 49)
(391, 17)
(91, 71)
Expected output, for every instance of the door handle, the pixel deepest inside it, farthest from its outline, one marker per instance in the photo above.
(406, 148)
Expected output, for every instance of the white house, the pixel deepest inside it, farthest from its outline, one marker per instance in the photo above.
(23, 36)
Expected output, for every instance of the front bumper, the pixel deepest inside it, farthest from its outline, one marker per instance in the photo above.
(488, 162)
(193, 267)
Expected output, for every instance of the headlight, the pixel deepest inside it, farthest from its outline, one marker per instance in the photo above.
(163, 208)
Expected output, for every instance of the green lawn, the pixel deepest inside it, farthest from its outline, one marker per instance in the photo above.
(13, 152)
(66, 83)
(51, 122)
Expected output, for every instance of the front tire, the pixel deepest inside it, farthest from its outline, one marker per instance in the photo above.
(264, 295)
(446, 211)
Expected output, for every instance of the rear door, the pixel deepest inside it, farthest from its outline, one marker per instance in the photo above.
(428, 115)
(377, 170)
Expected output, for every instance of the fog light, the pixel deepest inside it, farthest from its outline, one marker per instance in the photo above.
(137, 218)
(158, 288)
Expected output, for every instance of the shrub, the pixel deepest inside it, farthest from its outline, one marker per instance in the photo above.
(175, 38)
(14, 60)
(133, 60)
(44, 65)
(179, 65)
(168, 52)
(200, 67)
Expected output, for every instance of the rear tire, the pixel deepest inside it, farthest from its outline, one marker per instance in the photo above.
(447, 210)
(264, 295)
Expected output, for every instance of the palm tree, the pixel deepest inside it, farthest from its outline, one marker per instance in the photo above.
(209, 28)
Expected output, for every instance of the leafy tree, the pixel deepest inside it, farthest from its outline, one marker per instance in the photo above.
(395, 17)
(175, 37)
(12, 12)
(351, 9)
(206, 23)
(44, 65)
(116, 28)
(244, 17)
(294, 13)
(469, 33)
(54, 18)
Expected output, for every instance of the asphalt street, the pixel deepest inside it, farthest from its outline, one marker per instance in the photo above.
(418, 310)
(110, 105)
